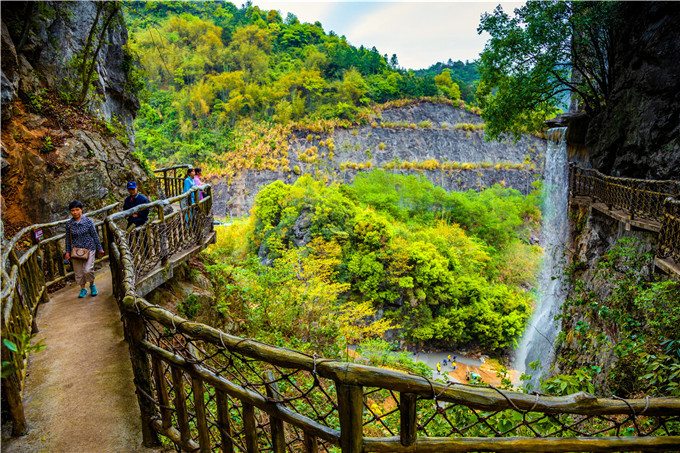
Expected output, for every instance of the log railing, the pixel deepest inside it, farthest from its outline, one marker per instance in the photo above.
(172, 182)
(638, 197)
(166, 234)
(652, 200)
(206, 390)
(29, 269)
(669, 235)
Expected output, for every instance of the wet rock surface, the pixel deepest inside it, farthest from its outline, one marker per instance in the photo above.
(638, 133)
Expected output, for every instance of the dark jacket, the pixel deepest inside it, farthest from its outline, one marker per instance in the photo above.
(131, 202)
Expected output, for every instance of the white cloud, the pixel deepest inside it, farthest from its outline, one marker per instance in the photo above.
(420, 33)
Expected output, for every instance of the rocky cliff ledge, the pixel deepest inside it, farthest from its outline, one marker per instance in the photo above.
(443, 143)
(54, 148)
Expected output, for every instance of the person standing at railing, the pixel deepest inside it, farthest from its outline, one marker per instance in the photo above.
(188, 184)
(197, 181)
(135, 199)
(82, 242)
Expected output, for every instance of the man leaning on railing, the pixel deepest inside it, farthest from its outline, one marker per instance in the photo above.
(135, 199)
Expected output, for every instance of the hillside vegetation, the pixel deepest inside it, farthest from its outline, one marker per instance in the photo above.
(221, 80)
(314, 260)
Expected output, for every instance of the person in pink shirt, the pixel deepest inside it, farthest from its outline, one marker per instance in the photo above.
(197, 181)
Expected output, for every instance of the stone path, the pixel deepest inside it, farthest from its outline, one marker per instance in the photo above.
(79, 395)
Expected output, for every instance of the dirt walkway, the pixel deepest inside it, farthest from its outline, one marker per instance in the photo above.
(79, 394)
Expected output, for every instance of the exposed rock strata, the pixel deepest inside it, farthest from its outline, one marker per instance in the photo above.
(399, 144)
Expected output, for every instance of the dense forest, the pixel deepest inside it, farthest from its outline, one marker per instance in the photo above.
(443, 268)
(215, 78)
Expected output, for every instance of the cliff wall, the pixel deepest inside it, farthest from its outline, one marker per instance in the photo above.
(55, 149)
(638, 133)
(404, 139)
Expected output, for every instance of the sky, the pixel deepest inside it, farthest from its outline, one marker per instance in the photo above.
(420, 33)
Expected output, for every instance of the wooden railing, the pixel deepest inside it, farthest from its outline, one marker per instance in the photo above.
(669, 236)
(171, 183)
(29, 270)
(638, 197)
(658, 201)
(206, 390)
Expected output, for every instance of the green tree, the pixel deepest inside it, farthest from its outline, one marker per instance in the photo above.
(447, 85)
(536, 58)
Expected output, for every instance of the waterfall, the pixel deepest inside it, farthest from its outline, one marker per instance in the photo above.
(538, 340)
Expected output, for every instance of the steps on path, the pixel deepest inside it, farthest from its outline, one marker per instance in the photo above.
(79, 394)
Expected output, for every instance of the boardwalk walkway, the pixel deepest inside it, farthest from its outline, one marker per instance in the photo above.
(79, 394)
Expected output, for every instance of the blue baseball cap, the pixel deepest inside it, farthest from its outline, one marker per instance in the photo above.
(132, 185)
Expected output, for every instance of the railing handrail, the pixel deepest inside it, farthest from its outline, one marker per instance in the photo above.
(158, 203)
(479, 397)
(623, 178)
(174, 167)
(12, 242)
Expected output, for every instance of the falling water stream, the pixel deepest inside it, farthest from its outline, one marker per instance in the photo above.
(537, 343)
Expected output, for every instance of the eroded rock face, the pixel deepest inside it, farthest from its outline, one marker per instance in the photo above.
(638, 134)
(57, 36)
(53, 152)
(379, 145)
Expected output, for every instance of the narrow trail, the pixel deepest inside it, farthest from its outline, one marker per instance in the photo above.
(79, 394)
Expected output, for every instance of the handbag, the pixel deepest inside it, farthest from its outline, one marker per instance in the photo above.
(78, 253)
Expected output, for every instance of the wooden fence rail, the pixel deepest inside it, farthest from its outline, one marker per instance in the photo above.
(206, 390)
(655, 200)
(639, 197)
(171, 183)
(31, 269)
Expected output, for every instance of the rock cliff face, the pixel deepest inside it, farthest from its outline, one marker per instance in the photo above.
(54, 151)
(413, 134)
(638, 133)
(591, 337)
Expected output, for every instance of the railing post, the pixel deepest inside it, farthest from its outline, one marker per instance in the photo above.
(224, 421)
(350, 411)
(408, 429)
(142, 375)
(162, 393)
(634, 197)
(249, 427)
(199, 406)
(181, 405)
(11, 387)
(163, 236)
(278, 434)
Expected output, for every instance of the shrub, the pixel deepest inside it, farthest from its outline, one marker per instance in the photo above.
(381, 146)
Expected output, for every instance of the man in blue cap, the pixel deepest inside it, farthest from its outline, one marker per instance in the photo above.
(135, 199)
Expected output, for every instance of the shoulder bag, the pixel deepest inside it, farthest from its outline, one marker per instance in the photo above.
(78, 253)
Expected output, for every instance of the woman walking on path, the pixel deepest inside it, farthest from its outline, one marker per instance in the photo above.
(81, 234)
